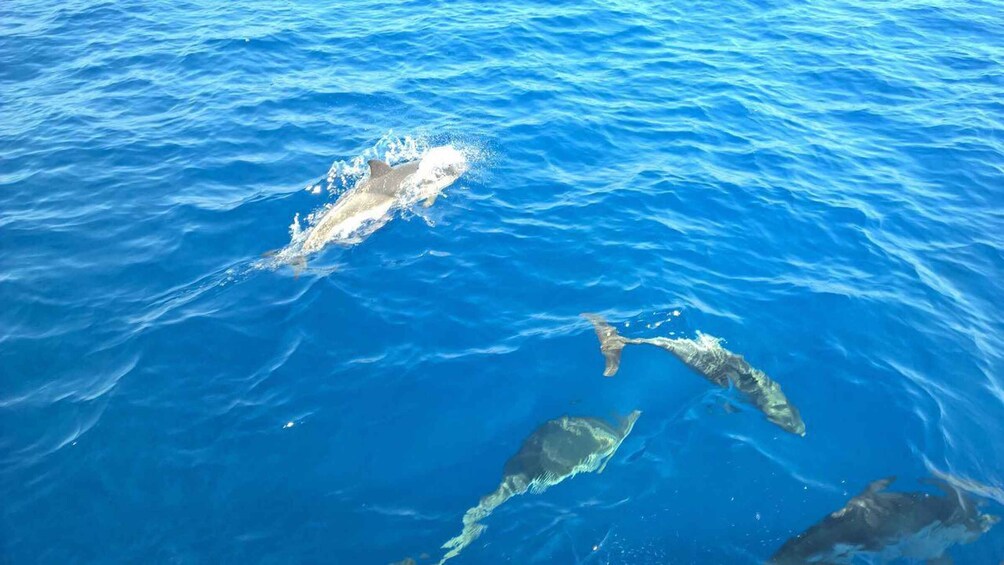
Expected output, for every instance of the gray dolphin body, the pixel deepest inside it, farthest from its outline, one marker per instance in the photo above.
(373, 197)
(889, 525)
(708, 358)
(557, 450)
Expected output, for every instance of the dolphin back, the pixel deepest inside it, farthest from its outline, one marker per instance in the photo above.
(706, 356)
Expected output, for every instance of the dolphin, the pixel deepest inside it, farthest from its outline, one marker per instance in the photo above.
(708, 358)
(559, 449)
(372, 199)
(890, 525)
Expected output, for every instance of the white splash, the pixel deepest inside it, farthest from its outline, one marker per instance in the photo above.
(391, 149)
(435, 171)
(438, 167)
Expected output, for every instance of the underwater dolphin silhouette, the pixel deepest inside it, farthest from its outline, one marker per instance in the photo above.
(890, 525)
(708, 358)
(559, 449)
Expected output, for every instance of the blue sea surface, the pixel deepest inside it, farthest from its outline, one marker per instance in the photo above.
(818, 183)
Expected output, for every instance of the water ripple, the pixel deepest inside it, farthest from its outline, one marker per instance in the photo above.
(818, 183)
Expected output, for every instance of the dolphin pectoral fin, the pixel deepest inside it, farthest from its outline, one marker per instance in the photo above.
(299, 265)
(611, 343)
(727, 399)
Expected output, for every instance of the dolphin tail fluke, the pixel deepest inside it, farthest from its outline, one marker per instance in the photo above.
(471, 532)
(473, 527)
(611, 343)
(298, 263)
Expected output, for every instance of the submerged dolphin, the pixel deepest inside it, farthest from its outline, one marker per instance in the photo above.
(557, 450)
(373, 198)
(708, 358)
(890, 525)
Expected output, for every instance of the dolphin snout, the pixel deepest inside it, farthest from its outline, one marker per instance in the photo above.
(790, 420)
(797, 427)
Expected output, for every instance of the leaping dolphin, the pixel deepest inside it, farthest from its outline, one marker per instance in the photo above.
(557, 450)
(890, 525)
(708, 358)
(371, 200)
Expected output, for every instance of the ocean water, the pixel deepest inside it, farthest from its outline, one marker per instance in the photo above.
(820, 184)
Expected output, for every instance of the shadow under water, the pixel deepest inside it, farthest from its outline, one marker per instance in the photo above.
(891, 525)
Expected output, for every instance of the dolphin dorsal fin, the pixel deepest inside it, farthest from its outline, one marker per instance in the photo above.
(378, 168)
(860, 500)
(877, 486)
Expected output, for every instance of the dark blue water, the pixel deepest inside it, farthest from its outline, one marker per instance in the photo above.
(821, 184)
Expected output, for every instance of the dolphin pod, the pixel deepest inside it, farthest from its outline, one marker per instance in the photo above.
(890, 525)
(558, 450)
(707, 357)
(876, 523)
